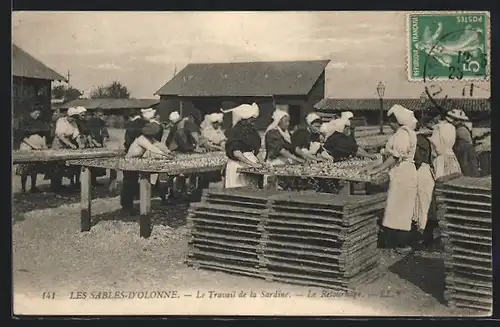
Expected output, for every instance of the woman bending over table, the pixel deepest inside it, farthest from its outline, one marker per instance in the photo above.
(33, 134)
(242, 145)
(279, 147)
(307, 140)
(339, 144)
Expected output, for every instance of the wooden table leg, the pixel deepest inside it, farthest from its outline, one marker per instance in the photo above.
(269, 182)
(145, 204)
(113, 175)
(345, 187)
(86, 199)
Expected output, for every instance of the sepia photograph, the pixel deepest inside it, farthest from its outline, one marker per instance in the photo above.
(313, 163)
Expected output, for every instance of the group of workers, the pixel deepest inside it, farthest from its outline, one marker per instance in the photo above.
(413, 159)
(414, 162)
(143, 138)
(77, 129)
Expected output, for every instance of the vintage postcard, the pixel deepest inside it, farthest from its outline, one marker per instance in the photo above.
(251, 163)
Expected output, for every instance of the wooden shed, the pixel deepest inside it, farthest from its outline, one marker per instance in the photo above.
(208, 87)
(31, 85)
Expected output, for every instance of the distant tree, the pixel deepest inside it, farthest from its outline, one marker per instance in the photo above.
(66, 93)
(114, 90)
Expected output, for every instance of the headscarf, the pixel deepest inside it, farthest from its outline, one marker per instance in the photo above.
(80, 110)
(347, 115)
(148, 113)
(208, 131)
(278, 115)
(340, 124)
(311, 118)
(244, 111)
(174, 117)
(327, 129)
(212, 118)
(404, 117)
(72, 111)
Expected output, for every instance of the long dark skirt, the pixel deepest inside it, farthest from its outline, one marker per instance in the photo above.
(130, 189)
(467, 158)
(393, 238)
(31, 168)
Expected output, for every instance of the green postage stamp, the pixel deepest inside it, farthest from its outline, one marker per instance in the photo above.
(448, 46)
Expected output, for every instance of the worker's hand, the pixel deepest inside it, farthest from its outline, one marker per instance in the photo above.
(168, 156)
(72, 146)
(99, 145)
(256, 165)
(36, 147)
(91, 145)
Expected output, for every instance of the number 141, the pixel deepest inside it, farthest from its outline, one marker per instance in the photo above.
(48, 295)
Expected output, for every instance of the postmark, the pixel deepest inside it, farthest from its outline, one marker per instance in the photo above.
(448, 46)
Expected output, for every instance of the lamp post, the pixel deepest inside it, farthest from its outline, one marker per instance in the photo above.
(423, 99)
(380, 92)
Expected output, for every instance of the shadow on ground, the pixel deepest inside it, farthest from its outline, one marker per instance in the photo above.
(45, 199)
(168, 215)
(426, 273)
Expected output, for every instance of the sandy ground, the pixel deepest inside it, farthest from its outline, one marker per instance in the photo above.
(51, 255)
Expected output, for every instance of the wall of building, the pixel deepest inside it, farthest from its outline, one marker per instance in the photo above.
(299, 106)
(28, 92)
(317, 92)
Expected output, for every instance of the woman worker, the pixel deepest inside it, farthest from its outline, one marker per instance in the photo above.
(278, 141)
(212, 133)
(242, 145)
(130, 187)
(33, 133)
(402, 195)
(464, 144)
(306, 140)
(425, 187)
(183, 137)
(67, 136)
(146, 145)
(442, 141)
(339, 144)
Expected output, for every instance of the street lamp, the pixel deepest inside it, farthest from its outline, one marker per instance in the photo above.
(423, 99)
(380, 91)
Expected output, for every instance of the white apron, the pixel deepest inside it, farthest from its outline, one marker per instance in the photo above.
(402, 194)
(446, 164)
(34, 139)
(425, 188)
(235, 179)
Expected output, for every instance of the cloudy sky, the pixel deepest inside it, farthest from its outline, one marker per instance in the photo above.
(142, 49)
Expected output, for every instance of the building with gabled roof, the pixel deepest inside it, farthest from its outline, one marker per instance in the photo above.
(31, 85)
(208, 87)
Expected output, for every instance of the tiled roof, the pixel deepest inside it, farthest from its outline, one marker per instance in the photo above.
(24, 65)
(412, 104)
(245, 79)
(111, 103)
